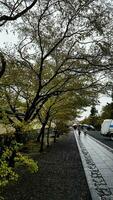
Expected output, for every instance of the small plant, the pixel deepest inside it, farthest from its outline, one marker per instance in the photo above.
(29, 163)
(7, 173)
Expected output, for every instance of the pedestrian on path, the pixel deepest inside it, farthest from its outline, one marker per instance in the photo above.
(79, 130)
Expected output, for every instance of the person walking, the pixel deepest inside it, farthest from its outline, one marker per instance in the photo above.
(79, 130)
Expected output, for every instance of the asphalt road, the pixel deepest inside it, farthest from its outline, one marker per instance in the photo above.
(96, 134)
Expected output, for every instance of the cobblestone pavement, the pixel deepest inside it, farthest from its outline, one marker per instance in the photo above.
(61, 175)
(98, 165)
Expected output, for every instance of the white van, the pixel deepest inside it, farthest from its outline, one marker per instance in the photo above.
(107, 128)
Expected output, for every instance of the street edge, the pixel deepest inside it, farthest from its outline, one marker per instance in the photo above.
(93, 193)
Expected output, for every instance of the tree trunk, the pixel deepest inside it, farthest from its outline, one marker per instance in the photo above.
(3, 65)
(48, 131)
(48, 137)
(18, 135)
(39, 136)
(55, 134)
(12, 159)
(42, 131)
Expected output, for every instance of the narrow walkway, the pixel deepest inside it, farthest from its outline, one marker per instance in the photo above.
(98, 165)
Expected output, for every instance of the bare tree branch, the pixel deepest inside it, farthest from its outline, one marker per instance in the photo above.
(5, 18)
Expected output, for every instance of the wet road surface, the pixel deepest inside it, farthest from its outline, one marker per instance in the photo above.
(106, 140)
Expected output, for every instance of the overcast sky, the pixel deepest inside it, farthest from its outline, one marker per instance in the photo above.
(9, 38)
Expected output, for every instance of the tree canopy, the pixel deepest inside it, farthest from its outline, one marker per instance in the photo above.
(64, 51)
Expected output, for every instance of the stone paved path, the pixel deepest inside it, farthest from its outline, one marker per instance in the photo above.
(98, 165)
(61, 175)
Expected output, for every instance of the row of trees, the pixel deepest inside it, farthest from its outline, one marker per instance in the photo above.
(52, 58)
(64, 50)
(96, 119)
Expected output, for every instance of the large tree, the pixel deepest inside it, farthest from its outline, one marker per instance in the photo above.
(59, 42)
(57, 33)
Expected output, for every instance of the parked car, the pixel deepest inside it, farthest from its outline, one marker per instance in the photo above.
(88, 127)
(107, 128)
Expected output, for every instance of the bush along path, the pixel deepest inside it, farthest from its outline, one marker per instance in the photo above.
(60, 177)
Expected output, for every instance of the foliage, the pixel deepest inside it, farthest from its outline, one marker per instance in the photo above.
(30, 164)
(93, 111)
(10, 157)
(107, 111)
(8, 173)
(60, 56)
(52, 57)
(96, 121)
(62, 127)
